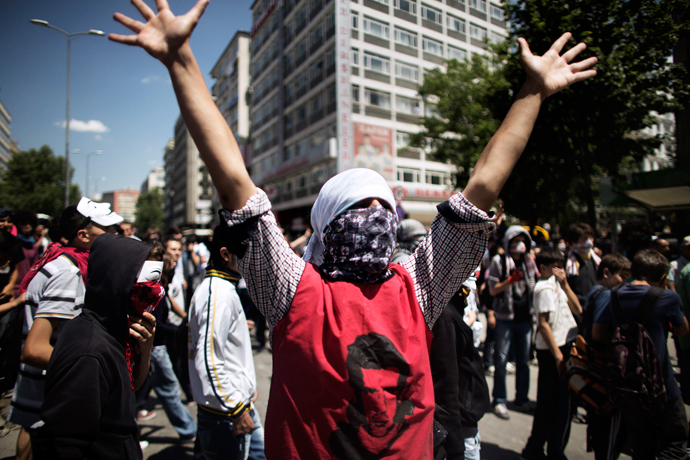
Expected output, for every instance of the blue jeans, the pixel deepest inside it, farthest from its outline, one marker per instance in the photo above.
(473, 447)
(520, 334)
(218, 442)
(164, 383)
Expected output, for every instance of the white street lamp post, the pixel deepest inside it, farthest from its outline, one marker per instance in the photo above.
(42, 23)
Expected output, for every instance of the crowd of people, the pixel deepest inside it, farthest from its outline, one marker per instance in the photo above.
(371, 359)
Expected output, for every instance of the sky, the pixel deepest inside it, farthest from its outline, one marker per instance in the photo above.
(121, 102)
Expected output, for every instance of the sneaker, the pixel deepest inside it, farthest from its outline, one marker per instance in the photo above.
(501, 411)
(144, 415)
(510, 368)
(143, 444)
(187, 438)
(525, 406)
(489, 371)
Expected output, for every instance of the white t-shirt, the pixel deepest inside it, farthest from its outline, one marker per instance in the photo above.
(176, 292)
(550, 298)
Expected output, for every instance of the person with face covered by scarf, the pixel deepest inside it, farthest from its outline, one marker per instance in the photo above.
(102, 356)
(345, 297)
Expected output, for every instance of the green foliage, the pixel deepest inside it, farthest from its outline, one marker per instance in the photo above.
(464, 118)
(592, 127)
(149, 212)
(35, 180)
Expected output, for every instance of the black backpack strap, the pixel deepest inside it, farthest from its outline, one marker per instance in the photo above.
(648, 303)
(504, 266)
(616, 307)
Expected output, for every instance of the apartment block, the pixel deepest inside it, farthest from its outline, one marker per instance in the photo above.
(123, 202)
(6, 144)
(335, 86)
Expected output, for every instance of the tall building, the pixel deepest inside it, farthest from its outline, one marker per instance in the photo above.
(188, 187)
(154, 179)
(123, 202)
(231, 73)
(335, 86)
(6, 143)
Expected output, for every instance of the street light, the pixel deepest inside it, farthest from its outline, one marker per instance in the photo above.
(87, 155)
(42, 23)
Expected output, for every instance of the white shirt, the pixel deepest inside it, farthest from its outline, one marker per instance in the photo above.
(550, 298)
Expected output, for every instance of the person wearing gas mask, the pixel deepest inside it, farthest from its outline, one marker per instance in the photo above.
(102, 356)
(512, 276)
(581, 266)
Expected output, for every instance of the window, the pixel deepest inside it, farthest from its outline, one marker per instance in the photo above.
(402, 140)
(377, 98)
(476, 32)
(429, 110)
(301, 16)
(455, 24)
(316, 69)
(302, 113)
(431, 14)
(385, 2)
(437, 178)
(317, 103)
(330, 57)
(497, 13)
(355, 57)
(301, 82)
(316, 35)
(406, 105)
(406, 5)
(376, 63)
(302, 50)
(405, 37)
(288, 91)
(409, 175)
(373, 27)
(355, 93)
(288, 61)
(478, 5)
(406, 71)
(432, 46)
(355, 21)
(456, 53)
(496, 38)
(330, 20)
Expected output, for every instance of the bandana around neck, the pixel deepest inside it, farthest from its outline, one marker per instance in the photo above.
(358, 245)
(55, 250)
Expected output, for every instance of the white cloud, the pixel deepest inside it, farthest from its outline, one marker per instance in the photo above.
(98, 137)
(147, 80)
(91, 126)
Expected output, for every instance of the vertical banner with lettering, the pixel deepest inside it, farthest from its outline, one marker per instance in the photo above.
(344, 85)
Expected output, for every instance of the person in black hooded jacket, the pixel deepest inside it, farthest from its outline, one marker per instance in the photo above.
(89, 393)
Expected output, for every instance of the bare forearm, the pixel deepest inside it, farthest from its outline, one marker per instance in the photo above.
(210, 132)
(504, 149)
(142, 369)
(573, 302)
(499, 288)
(547, 335)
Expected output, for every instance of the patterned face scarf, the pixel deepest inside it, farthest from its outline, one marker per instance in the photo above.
(358, 245)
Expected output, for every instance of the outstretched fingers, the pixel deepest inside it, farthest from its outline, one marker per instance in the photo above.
(197, 10)
(560, 43)
(524, 48)
(130, 40)
(579, 76)
(573, 52)
(146, 12)
(583, 65)
(133, 25)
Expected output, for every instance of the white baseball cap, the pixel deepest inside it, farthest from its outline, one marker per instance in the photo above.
(98, 212)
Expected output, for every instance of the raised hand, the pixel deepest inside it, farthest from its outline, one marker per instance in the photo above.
(553, 72)
(164, 33)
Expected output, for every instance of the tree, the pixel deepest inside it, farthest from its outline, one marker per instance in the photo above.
(35, 180)
(149, 211)
(590, 128)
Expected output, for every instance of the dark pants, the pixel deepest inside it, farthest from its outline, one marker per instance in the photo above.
(662, 435)
(605, 435)
(551, 423)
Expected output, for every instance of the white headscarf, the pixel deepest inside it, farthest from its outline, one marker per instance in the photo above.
(339, 193)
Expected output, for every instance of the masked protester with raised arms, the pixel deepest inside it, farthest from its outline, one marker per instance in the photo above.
(323, 309)
(102, 356)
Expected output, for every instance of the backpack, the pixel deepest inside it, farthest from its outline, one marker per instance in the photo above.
(586, 366)
(634, 374)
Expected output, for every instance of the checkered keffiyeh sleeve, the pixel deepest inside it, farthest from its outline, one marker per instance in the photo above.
(448, 255)
(270, 268)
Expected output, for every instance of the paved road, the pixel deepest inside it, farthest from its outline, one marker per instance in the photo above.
(501, 439)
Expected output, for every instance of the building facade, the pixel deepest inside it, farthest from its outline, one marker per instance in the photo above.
(154, 179)
(188, 187)
(123, 202)
(335, 86)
